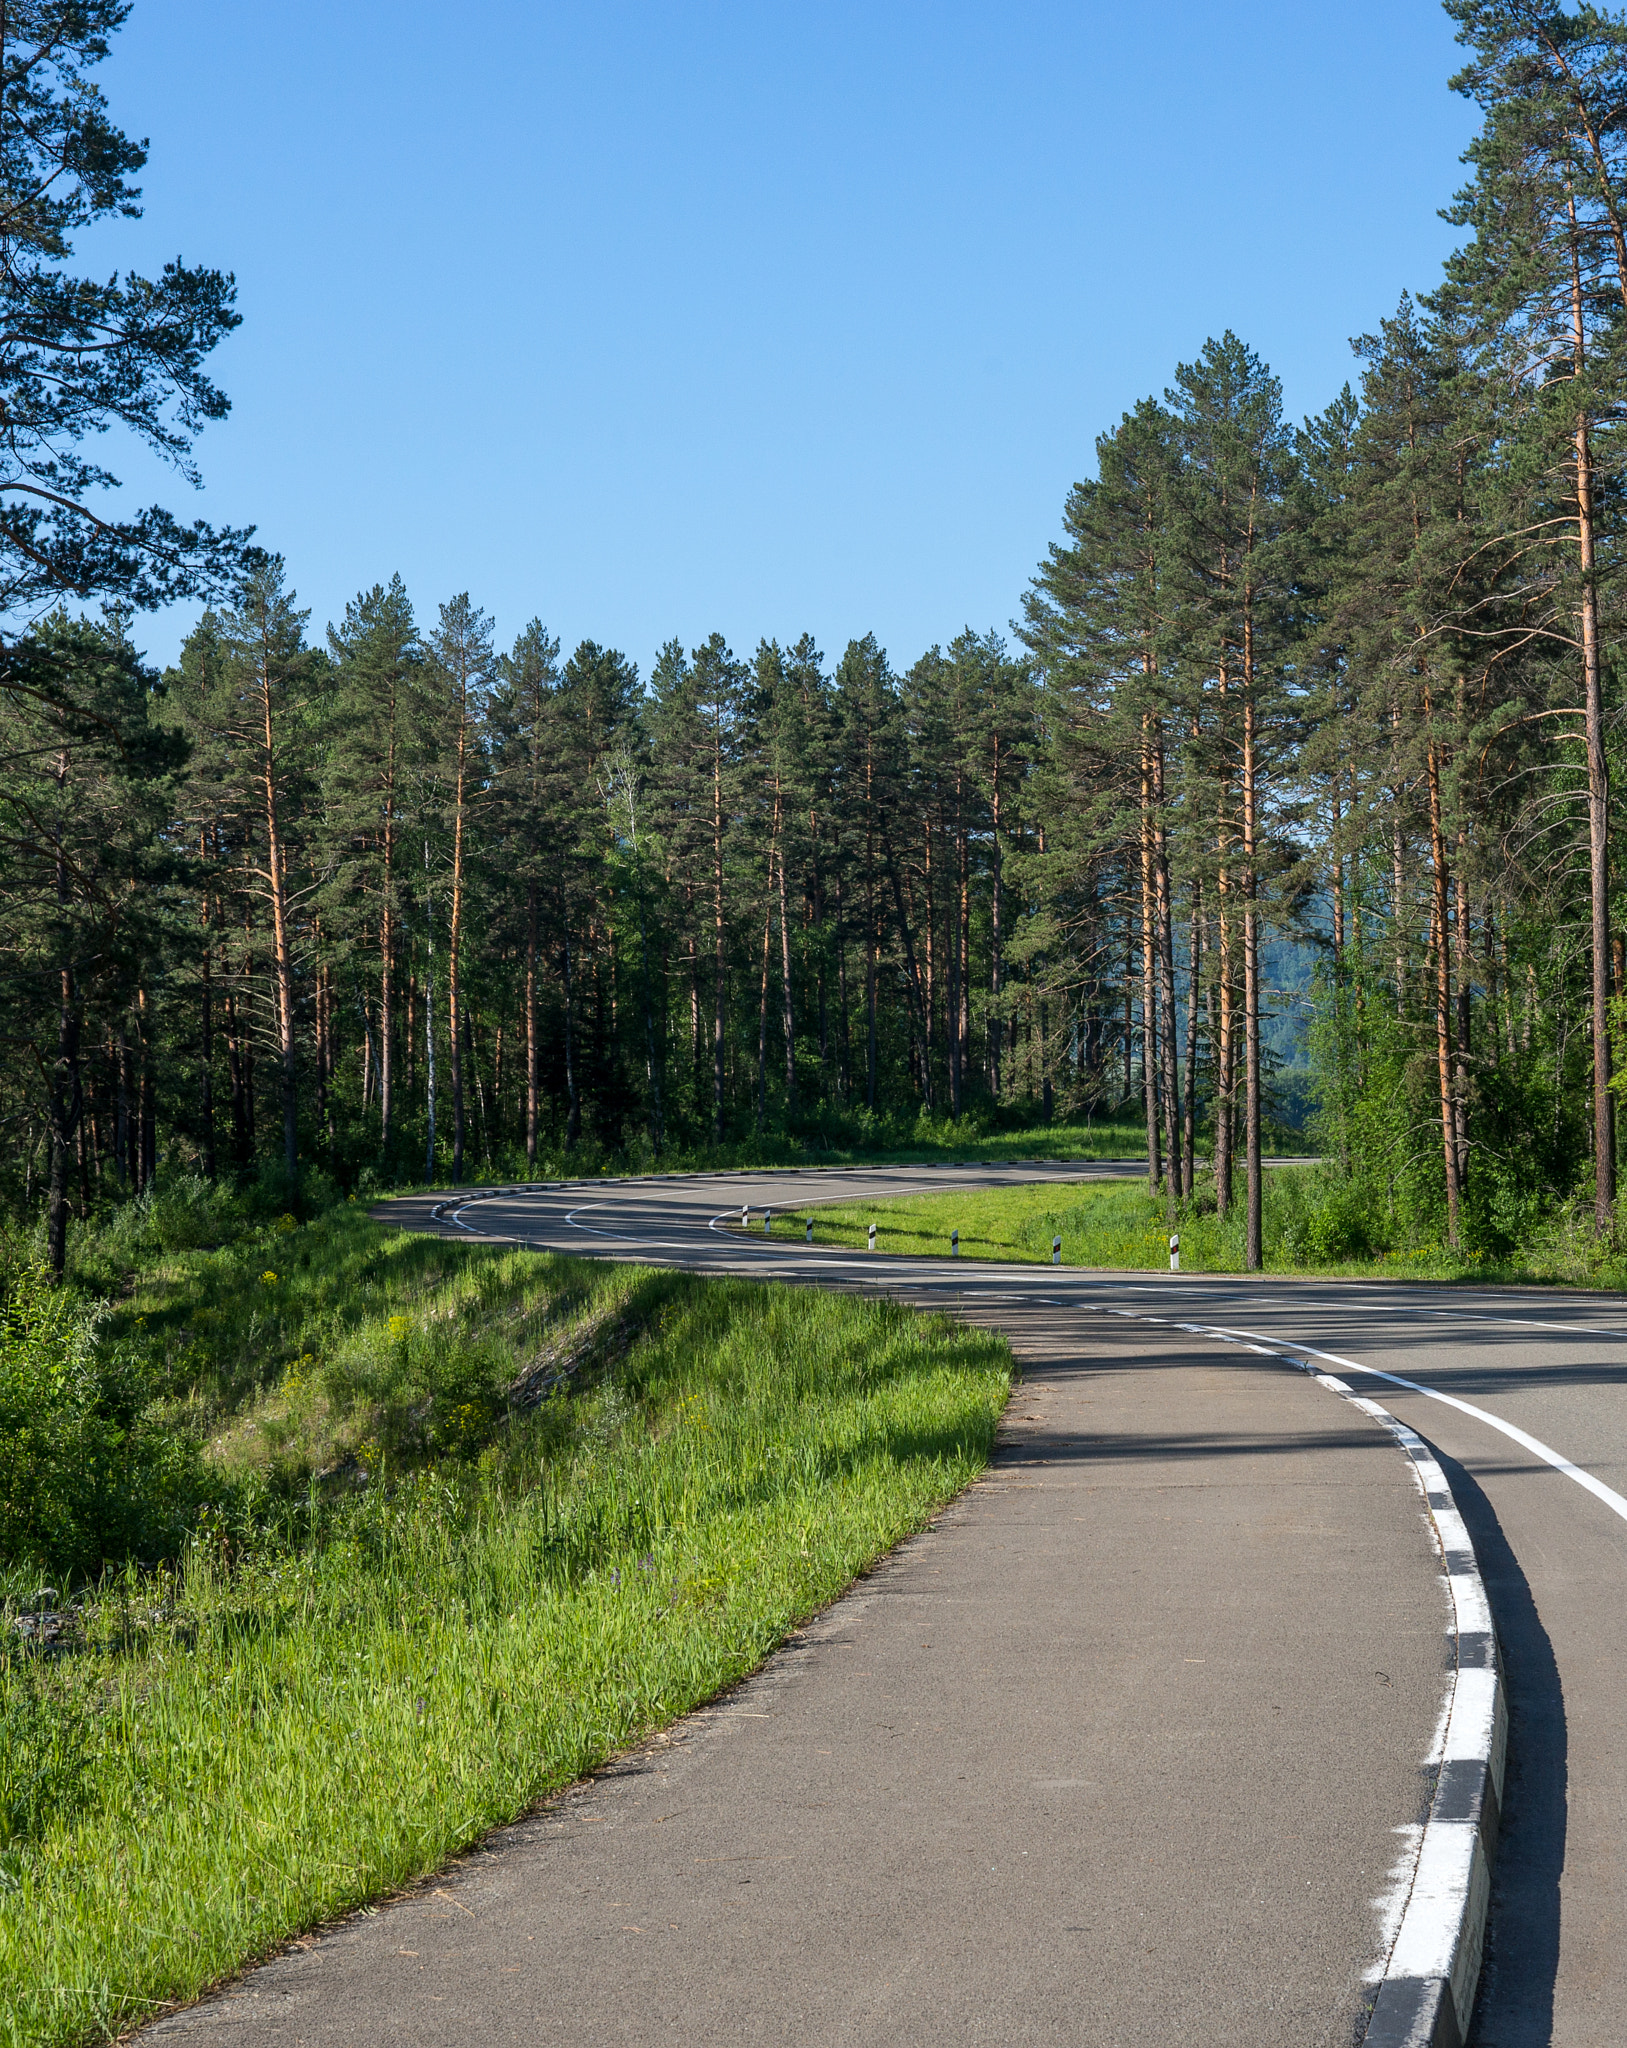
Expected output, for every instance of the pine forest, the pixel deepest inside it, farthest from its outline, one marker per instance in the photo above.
(1280, 817)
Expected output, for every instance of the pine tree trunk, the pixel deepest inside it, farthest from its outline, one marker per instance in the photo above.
(147, 1098)
(912, 972)
(1170, 1041)
(206, 1049)
(531, 1028)
(788, 1016)
(387, 945)
(869, 924)
(964, 848)
(1460, 1077)
(281, 938)
(1149, 948)
(931, 959)
(951, 1020)
(844, 1077)
(694, 1004)
(1443, 989)
(454, 947)
(573, 1105)
(762, 1007)
(429, 1020)
(480, 1086)
(1398, 895)
(1598, 769)
(319, 1039)
(1195, 975)
(996, 949)
(871, 947)
(65, 1101)
(1338, 881)
(235, 1079)
(717, 937)
(1598, 818)
(1254, 1250)
(652, 1057)
(1224, 1038)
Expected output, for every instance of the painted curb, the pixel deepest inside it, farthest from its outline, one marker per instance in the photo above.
(1426, 1992)
(1426, 1995)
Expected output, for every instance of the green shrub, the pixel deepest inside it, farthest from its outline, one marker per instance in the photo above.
(83, 1476)
(1340, 1224)
(191, 1214)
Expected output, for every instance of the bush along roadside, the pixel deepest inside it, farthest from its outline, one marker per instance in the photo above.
(468, 1521)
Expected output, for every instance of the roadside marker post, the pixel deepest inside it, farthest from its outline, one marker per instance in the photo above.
(954, 1244)
(1175, 1255)
(768, 1219)
(745, 1217)
(809, 1238)
(1056, 1251)
(872, 1237)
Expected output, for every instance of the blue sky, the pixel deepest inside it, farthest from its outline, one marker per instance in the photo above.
(654, 319)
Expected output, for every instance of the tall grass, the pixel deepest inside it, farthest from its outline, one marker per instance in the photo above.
(352, 1671)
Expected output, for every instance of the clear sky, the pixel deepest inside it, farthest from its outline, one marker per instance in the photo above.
(654, 319)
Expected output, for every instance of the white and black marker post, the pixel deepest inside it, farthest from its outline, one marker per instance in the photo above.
(1175, 1254)
(872, 1237)
(745, 1217)
(809, 1238)
(768, 1219)
(954, 1244)
(1056, 1251)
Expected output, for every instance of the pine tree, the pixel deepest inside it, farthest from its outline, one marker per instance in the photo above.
(380, 715)
(88, 781)
(459, 674)
(1544, 279)
(1099, 620)
(1235, 572)
(524, 728)
(78, 355)
(270, 723)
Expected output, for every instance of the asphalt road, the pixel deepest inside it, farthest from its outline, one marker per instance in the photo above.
(1125, 1749)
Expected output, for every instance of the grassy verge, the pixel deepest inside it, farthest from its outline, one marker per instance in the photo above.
(1118, 1224)
(472, 1519)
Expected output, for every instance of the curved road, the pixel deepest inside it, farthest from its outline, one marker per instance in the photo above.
(1527, 1400)
(1136, 1757)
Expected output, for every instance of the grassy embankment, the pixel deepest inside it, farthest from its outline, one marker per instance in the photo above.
(417, 1596)
(1118, 1224)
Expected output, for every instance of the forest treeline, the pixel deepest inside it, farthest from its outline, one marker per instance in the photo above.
(394, 901)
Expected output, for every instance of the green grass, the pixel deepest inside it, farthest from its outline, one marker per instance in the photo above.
(1118, 1224)
(412, 1608)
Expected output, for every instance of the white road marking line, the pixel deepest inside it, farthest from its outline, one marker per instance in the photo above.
(1460, 1315)
(1612, 1500)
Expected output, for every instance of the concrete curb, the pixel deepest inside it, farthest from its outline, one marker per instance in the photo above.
(1426, 1995)
(1426, 1991)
